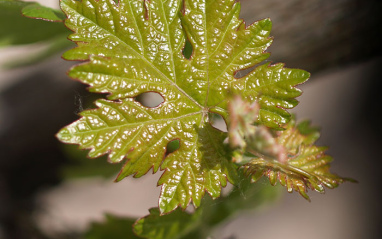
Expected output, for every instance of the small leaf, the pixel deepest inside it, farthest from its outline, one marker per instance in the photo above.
(244, 136)
(16, 29)
(113, 228)
(37, 11)
(170, 226)
(306, 166)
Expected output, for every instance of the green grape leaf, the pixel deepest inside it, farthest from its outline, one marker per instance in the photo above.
(136, 46)
(17, 29)
(113, 228)
(306, 167)
(170, 226)
(38, 11)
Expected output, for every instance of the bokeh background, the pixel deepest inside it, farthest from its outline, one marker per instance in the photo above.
(49, 190)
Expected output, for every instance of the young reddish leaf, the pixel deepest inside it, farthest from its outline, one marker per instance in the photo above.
(244, 136)
(306, 167)
(136, 46)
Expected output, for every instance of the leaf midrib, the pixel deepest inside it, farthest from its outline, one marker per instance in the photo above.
(142, 57)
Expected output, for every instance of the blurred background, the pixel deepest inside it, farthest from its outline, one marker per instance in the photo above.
(50, 190)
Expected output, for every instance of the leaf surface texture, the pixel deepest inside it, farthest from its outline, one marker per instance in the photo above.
(135, 46)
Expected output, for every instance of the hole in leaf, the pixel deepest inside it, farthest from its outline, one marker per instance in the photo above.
(150, 99)
(172, 146)
(187, 50)
(217, 122)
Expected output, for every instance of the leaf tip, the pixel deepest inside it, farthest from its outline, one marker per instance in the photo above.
(305, 195)
(266, 23)
(64, 135)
